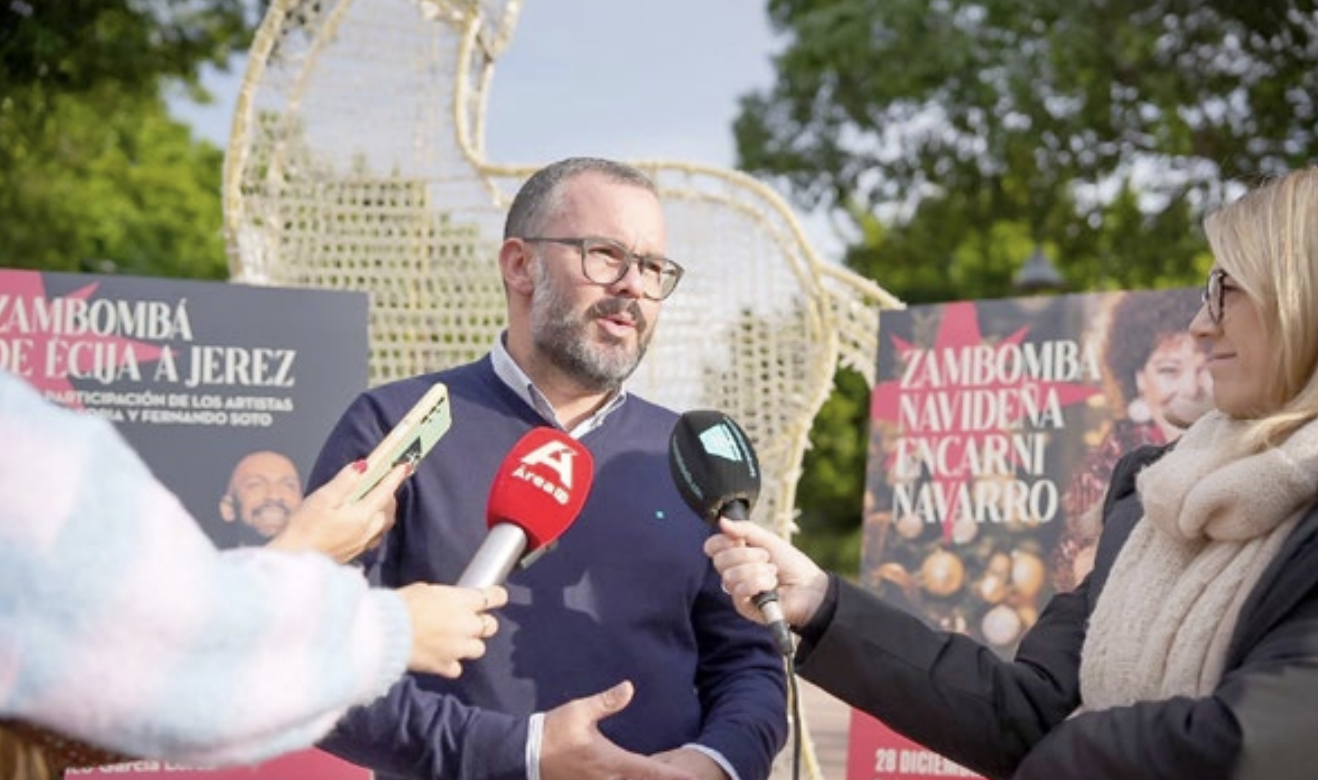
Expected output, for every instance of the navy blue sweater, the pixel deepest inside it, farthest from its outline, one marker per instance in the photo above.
(627, 593)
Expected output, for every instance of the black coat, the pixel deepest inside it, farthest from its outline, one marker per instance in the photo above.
(1010, 718)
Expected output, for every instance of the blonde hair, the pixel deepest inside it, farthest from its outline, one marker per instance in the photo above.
(1267, 241)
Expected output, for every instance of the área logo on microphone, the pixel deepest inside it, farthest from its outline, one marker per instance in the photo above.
(556, 456)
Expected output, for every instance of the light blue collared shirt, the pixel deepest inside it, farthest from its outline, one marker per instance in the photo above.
(517, 380)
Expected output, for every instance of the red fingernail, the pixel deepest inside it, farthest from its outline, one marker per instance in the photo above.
(359, 466)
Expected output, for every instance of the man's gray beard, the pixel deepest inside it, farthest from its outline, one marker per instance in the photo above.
(561, 336)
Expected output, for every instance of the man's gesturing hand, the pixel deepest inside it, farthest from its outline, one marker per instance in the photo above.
(574, 749)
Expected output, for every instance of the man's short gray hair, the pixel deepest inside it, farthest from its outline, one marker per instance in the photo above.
(538, 198)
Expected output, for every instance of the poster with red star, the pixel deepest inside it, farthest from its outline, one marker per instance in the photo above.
(226, 392)
(994, 426)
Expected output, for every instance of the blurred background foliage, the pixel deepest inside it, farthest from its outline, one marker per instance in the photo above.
(97, 176)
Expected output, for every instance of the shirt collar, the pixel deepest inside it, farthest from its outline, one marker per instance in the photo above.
(512, 375)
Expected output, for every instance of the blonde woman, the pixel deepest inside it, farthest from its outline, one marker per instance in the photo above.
(1191, 651)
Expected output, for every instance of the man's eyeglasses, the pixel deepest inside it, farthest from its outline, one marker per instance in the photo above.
(604, 262)
(1214, 295)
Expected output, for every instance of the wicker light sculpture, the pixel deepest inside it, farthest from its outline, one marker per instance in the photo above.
(357, 162)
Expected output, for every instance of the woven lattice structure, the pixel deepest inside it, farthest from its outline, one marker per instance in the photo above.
(356, 162)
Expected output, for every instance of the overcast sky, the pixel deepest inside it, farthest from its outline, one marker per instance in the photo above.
(628, 79)
(613, 78)
(648, 78)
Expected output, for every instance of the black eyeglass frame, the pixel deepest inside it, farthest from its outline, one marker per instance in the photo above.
(1214, 295)
(664, 269)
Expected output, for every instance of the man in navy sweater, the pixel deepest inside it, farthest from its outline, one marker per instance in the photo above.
(618, 654)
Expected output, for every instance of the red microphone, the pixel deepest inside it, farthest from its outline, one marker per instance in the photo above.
(537, 493)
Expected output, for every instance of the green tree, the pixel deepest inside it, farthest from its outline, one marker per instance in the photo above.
(97, 176)
(833, 477)
(971, 131)
(953, 138)
(126, 190)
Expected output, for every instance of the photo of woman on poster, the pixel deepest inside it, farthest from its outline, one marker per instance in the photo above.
(1156, 384)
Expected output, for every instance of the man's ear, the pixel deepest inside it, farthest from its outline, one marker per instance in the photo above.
(228, 513)
(515, 261)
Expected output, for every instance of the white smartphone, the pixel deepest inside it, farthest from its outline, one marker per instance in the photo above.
(409, 441)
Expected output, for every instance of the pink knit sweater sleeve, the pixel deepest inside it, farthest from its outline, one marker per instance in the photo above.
(122, 625)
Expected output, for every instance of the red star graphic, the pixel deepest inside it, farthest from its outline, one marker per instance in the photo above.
(54, 357)
(958, 330)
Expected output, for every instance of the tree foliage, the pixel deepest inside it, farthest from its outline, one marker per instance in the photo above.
(1099, 129)
(72, 46)
(833, 477)
(951, 139)
(98, 176)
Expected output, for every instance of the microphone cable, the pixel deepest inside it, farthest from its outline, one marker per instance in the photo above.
(794, 694)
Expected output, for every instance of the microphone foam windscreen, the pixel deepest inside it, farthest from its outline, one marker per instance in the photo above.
(541, 485)
(713, 463)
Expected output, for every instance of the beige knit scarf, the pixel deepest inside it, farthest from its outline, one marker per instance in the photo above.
(1213, 520)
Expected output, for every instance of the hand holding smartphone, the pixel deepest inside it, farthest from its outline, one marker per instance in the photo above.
(409, 441)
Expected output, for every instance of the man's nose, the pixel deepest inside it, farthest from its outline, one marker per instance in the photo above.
(632, 282)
